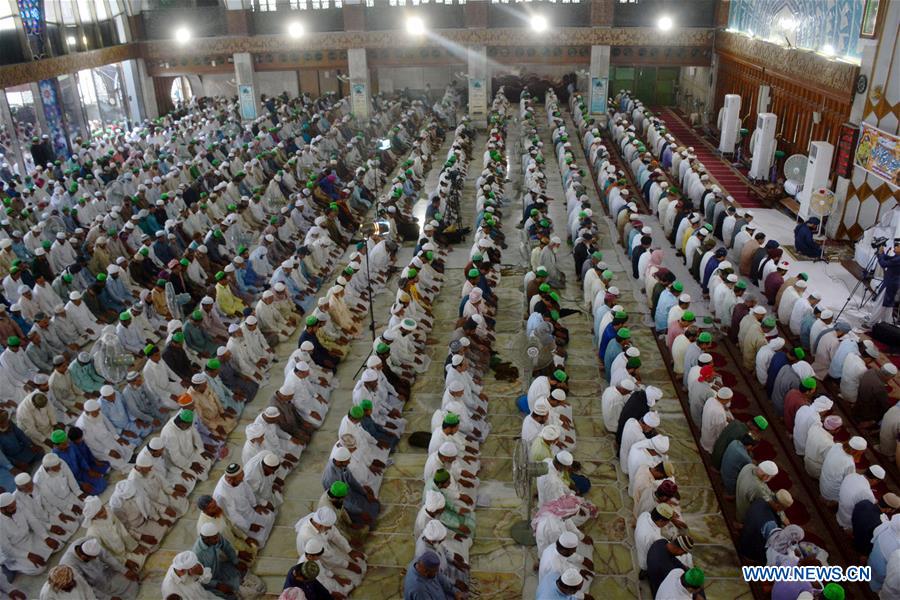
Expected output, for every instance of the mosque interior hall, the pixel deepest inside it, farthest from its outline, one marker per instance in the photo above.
(449, 299)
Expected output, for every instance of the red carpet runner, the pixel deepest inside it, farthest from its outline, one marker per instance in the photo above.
(721, 171)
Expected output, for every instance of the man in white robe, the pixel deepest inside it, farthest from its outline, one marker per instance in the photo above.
(552, 486)
(337, 554)
(81, 318)
(261, 474)
(103, 525)
(25, 543)
(184, 448)
(185, 578)
(106, 575)
(102, 438)
(167, 502)
(241, 506)
(716, 416)
(855, 488)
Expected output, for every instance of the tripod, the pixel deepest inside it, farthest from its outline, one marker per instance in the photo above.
(867, 276)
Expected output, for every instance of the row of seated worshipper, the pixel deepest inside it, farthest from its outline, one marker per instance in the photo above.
(205, 406)
(566, 567)
(445, 524)
(329, 540)
(771, 538)
(662, 541)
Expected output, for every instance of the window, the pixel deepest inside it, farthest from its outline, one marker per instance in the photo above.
(263, 5)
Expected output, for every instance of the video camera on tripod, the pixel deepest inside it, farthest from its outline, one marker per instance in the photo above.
(879, 242)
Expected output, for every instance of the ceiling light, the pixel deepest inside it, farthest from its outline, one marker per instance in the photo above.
(415, 26)
(71, 40)
(828, 50)
(539, 23)
(295, 30)
(665, 23)
(182, 35)
(787, 23)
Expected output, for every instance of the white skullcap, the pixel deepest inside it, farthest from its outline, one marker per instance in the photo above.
(371, 362)
(370, 375)
(731, 278)
(184, 561)
(572, 577)
(660, 443)
(456, 360)
(434, 501)
(434, 531)
(144, 460)
(627, 384)
(50, 460)
(653, 394)
(92, 505)
(877, 471)
(270, 459)
(448, 449)
(558, 394)
(74, 295)
(541, 407)
(91, 405)
(156, 443)
(725, 393)
(632, 352)
(704, 358)
(314, 546)
(564, 457)
(651, 419)
(22, 479)
(816, 295)
(325, 516)
(768, 468)
(776, 343)
(684, 298)
(857, 443)
(568, 540)
(550, 433)
(456, 386)
(307, 346)
(341, 454)
(91, 547)
(254, 430)
(198, 378)
(800, 283)
(759, 310)
(209, 529)
(822, 404)
(107, 390)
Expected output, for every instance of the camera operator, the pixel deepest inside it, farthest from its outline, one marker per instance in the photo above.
(803, 238)
(890, 264)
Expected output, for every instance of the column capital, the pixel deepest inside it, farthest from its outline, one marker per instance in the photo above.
(602, 12)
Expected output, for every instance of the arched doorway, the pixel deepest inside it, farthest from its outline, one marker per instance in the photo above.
(181, 91)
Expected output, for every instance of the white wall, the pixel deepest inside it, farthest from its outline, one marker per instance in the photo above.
(415, 78)
(218, 84)
(694, 86)
(272, 83)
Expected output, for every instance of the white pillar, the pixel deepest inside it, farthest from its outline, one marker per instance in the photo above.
(15, 145)
(598, 87)
(360, 85)
(245, 76)
(479, 85)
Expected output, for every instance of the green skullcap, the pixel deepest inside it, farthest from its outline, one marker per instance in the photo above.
(477, 258)
(607, 274)
(333, 206)
(451, 418)
(366, 404)
(597, 255)
(533, 212)
(708, 227)
(356, 412)
(382, 348)
(474, 272)
(149, 349)
(809, 383)
(144, 251)
(544, 288)
(620, 314)
(13, 340)
(311, 320)
(411, 273)
(349, 271)
(833, 591)
(741, 285)
(441, 475)
(554, 296)
(554, 314)
(768, 322)
(213, 364)
(624, 334)
(184, 262)
(197, 315)
(694, 577)
(761, 422)
(800, 353)
(161, 282)
(687, 316)
(58, 436)
(101, 276)
(803, 276)
(178, 337)
(125, 316)
(678, 286)
(541, 272)
(633, 363)
(560, 375)
(186, 415)
(705, 337)
(46, 244)
(544, 223)
(220, 275)
(338, 489)
(217, 233)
